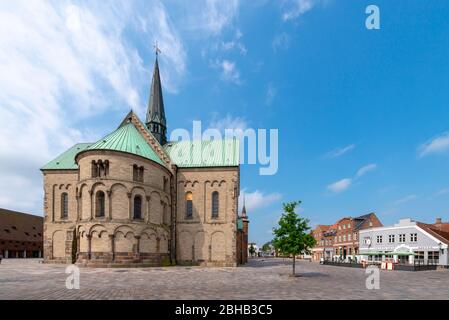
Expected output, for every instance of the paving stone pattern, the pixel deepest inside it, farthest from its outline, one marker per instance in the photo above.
(259, 279)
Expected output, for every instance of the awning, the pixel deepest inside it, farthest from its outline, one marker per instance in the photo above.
(401, 253)
(373, 253)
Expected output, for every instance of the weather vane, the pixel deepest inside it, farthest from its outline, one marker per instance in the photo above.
(156, 48)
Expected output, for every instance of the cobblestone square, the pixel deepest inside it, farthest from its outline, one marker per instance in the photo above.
(259, 279)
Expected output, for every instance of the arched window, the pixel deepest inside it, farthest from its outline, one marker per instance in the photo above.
(64, 205)
(189, 205)
(99, 209)
(94, 169)
(215, 204)
(137, 207)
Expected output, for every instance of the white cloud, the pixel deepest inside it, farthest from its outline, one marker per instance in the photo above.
(227, 122)
(257, 200)
(364, 170)
(217, 14)
(229, 71)
(344, 184)
(340, 185)
(340, 151)
(296, 8)
(406, 199)
(61, 63)
(439, 144)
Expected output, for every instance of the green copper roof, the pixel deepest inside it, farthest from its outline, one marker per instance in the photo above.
(127, 139)
(66, 161)
(211, 153)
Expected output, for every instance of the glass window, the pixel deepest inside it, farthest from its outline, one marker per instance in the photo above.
(64, 205)
(99, 212)
(137, 207)
(189, 205)
(413, 237)
(402, 238)
(379, 239)
(349, 237)
(215, 204)
(419, 256)
(391, 238)
(433, 257)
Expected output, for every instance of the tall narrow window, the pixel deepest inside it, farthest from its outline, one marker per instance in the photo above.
(99, 210)
(137, 207)
(141, 170)
(135, 172)
(106, 168)
(94, 169)
(215, 204)
(64, 205)
(189, 205)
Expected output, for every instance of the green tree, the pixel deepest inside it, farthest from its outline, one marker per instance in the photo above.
(266, 247)
(252, 250)
(292, 236)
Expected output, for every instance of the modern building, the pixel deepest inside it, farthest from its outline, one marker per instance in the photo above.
(340, 240)
(407, 242)
(135, 198)
(20, 235)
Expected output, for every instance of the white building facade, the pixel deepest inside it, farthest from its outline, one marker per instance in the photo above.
(406, 242)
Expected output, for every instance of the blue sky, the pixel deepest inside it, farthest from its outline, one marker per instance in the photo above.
(362, 114)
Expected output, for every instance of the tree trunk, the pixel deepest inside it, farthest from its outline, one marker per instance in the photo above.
(293, 265)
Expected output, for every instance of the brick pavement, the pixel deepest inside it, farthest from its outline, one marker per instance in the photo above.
(260, 279)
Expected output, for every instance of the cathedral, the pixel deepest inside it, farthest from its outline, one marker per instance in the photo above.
(133, 198)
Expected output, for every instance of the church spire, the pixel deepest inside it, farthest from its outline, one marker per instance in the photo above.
(156, 121)
(244, 208)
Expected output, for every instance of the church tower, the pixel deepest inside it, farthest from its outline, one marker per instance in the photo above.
(156, 121)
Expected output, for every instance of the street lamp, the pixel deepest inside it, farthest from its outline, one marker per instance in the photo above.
(440, 246)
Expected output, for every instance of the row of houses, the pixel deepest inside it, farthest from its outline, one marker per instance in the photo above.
(365, 238)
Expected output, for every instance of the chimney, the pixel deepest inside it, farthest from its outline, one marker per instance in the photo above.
(438, 221)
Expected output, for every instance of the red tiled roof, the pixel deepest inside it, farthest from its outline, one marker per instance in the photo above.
(435, 231)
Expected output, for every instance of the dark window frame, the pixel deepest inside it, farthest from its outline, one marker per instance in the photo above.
(64, 205)
(100, 204)
(137, 207)
(215, 204)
